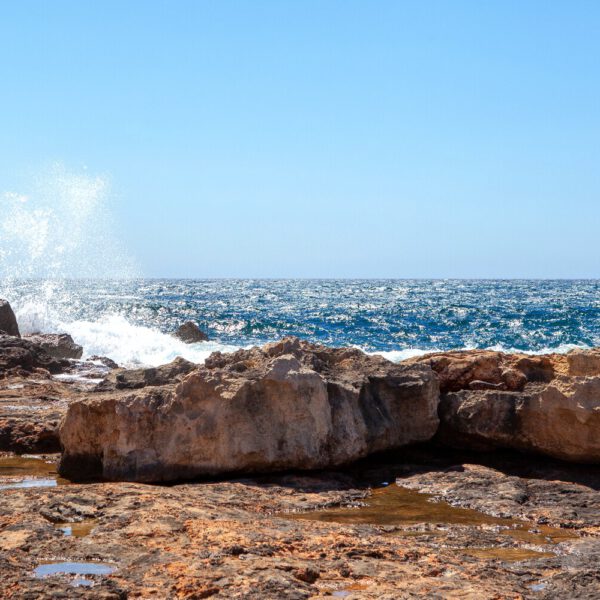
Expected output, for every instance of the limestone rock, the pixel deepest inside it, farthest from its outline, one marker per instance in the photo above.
(289, 405)
(57, 345)
(190, 333)
(547, 404)
(468, 369)
(133, 379)
(463, 370)
(561, 419)
(8, 321)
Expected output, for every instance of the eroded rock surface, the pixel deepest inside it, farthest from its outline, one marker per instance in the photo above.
(20, 354)
(242, 539)
(547, 404)
(57, 345)
(133, 379)
(31, 409)
(288, 405)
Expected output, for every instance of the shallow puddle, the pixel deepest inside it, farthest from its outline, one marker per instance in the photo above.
(28, 472)
(395, 505)
(347, 591)
(81, 529)
(507, 554)
(73, 568)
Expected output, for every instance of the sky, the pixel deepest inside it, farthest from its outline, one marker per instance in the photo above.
(318, 138)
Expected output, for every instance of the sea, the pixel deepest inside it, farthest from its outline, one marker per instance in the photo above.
(132, 320)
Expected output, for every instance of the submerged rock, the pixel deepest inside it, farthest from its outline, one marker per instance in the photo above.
(190, 333)
(58, 345)
(8, 321)
(289, 405)
(546, 404)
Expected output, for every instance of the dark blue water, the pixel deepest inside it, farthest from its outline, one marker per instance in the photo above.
(377, 315)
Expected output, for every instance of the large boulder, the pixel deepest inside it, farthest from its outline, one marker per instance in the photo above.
(21, 354)
(8, 321)
(289, 405)
(190, 333)
(544, 404)
(57, 345)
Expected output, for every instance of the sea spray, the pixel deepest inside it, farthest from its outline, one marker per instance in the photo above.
(61, 227)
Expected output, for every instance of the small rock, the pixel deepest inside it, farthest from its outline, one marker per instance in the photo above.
(8, 321)
(190, 333)
(307, 575)
(107, 362)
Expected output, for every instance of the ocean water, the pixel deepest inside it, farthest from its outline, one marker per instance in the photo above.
(131, 320)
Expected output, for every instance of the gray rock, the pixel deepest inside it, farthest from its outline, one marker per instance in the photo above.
(190, 333)
(58, 345)
(8, 321)
(18, 353)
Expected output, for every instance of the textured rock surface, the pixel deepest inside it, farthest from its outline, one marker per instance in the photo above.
(190, 333)
(57, 345)
(8, 321)
(21, 354)
(548, 404)
(133, 379)
(237, 539)
(30, 411)
(289, 405)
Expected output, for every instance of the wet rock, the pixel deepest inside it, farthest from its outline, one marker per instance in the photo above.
(537, 489)
(289, 405)
(190, 333)
(40, 435)
(8, 321)
(133, 379)
(242, 539)
(57, 345)
(104, 360)
(18, 353)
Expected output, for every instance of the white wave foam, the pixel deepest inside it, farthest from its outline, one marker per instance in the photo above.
(560, 349)
(131, 345)
(113, 336)
(400, 355)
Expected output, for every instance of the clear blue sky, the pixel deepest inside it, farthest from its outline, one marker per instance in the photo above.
(319, 138)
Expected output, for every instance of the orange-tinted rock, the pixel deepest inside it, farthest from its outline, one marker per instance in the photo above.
(289, 405)
(549, 404)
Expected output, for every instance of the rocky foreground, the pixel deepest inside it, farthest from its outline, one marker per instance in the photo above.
(478, 508)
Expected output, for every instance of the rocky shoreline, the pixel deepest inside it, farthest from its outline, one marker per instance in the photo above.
(438, 477)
